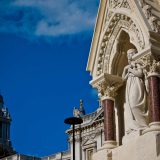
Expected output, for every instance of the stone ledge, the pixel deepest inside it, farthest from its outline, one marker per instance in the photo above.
(144, 147)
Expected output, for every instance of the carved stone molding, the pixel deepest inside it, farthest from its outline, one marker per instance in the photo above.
(107, 85)
(113, 27)
(115, 3)
(119, 4)
(151, 13)
(88, 139)
(116, 20)
(77, 138)
(148, 11)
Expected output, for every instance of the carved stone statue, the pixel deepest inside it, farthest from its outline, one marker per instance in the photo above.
(135, 95)
(79, 112)
(76, 112)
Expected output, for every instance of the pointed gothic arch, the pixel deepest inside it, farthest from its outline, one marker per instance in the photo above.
(118, 23)
(120, 60)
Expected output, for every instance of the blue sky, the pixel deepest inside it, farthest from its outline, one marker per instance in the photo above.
(44, 47)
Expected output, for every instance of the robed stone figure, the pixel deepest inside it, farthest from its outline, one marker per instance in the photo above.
(135, 95)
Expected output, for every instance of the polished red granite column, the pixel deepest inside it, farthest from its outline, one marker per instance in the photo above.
(154, 97)
(109, 128)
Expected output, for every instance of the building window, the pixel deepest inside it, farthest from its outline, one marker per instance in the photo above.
(89, 154)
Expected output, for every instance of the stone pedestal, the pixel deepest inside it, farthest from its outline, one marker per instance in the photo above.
(133, 135)
(104, 153)
(145, 147)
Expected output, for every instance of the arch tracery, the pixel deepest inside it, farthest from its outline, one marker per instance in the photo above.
(116, 24)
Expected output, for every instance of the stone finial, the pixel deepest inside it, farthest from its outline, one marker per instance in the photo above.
(81, 103)
(82, 110)
(76, 112)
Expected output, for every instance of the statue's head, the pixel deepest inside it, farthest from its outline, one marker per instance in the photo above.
(131, 53)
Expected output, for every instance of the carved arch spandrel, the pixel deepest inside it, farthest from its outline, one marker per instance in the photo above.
(117, 23)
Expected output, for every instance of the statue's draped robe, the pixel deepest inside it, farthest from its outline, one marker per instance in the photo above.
(135, 103)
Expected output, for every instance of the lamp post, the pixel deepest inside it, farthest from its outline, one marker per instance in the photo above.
(73, 121)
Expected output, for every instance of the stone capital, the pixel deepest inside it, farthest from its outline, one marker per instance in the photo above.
(107, 85)
(151, 66)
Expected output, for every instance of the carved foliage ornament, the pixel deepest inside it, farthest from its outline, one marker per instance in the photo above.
(150, 65)
(107, 89)
(148, 11)
(107, 85)
(119, 3)
(114, 4)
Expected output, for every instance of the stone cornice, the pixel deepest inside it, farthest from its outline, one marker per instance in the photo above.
(87, 127)
(95, 121)
(92, 145)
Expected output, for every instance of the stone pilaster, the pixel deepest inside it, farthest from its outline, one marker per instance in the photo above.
(107, 86)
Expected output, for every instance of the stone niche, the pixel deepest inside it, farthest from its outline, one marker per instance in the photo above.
(121, 46)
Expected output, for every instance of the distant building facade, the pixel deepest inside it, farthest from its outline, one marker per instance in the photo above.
(20, 157)
(89, 138)
(5, 121)
(89, 135)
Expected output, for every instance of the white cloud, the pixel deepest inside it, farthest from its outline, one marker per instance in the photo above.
(52, 17)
